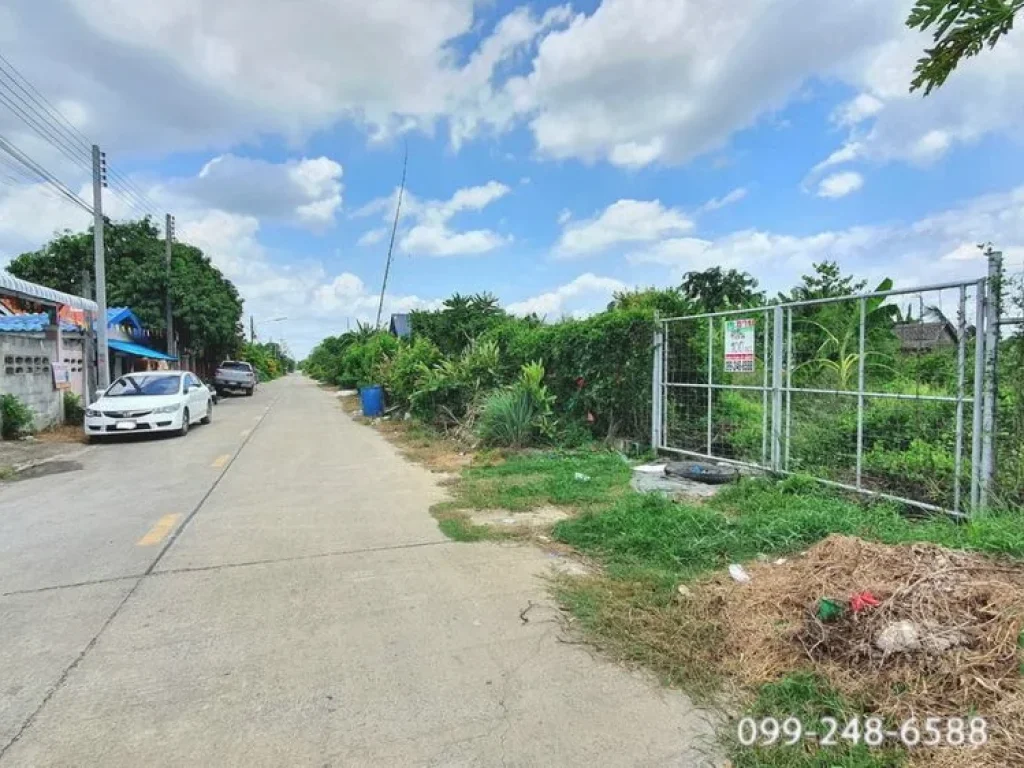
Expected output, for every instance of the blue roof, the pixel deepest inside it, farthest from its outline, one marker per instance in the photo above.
(122, 316)
(137, 350)
(31, 323)
(401, 325)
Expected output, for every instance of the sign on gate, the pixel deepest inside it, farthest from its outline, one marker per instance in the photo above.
(739, 346)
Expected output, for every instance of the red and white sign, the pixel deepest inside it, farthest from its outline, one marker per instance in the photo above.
(739, 346)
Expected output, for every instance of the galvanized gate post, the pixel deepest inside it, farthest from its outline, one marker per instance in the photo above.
(992, 312)
(979, 393)
(777, 450)
(657, 390)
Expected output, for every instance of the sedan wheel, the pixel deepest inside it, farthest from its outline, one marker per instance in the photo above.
(209, 413)
(183, 430)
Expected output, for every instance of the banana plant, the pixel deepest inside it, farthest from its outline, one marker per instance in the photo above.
(839, 353)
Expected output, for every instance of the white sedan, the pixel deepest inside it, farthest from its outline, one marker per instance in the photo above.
(153, 401)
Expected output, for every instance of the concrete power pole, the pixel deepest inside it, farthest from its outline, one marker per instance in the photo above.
(169, 238)
(252, 330)
(99, 180)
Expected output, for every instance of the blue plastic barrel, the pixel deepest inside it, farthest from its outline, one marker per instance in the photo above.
(372, 399)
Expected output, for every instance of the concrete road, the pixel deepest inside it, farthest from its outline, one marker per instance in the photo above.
(272, 591)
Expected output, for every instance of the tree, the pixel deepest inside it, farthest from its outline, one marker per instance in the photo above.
(668, 302)
(716, 289)
(462, 319)
(962, 29)
(826, 282)
(207, 308)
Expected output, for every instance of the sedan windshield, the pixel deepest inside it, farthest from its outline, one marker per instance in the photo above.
(144, 384)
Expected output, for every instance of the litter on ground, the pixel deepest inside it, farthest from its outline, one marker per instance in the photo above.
(939, 636)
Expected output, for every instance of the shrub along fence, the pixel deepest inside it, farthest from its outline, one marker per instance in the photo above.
(581, 378)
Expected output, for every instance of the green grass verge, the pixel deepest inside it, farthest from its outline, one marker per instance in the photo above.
(754, 517)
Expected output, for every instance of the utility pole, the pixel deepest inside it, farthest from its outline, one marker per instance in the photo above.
(252, 330)
(169, 240)
(394, 230)
(88, 346)
(99, 181)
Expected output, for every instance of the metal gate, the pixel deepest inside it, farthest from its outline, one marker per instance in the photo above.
(889, 393)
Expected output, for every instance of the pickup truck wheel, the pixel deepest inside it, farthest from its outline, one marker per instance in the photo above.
(248, 392)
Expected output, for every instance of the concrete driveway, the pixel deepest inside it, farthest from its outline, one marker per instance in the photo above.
(271, 591)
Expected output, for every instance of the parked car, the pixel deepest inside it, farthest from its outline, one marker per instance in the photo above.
(151, 401)
(235, 376)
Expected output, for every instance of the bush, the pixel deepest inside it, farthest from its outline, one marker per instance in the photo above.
(17, 417)
(507, 419)
(404, 373)
(74, 411)
(448, 389)
(518, 416)
(365, 362)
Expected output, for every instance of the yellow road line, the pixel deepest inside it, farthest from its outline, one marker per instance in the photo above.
(220, 461)
(159, 531)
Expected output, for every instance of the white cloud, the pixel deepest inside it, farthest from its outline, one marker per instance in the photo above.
(30, 215)
(431, 233)
(984, 95)
(372, 236)
(639, 81)
(586, 294)
(715, 203)
(564, 215)
(634, 82)
(840, 184)
(306, 191)
(225, 74)
(857, 110)
(624, 221)
(935, 248)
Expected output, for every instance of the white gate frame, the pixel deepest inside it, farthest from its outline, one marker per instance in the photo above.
(778, 418)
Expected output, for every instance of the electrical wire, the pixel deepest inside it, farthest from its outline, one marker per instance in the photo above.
(46, 177)
(40, 114)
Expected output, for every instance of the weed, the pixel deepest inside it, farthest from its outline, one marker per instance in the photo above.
(15, 417)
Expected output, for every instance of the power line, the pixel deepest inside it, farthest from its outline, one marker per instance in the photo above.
(52, 125)
(47, 177)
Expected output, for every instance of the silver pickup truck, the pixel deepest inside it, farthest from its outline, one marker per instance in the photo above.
(234, 375)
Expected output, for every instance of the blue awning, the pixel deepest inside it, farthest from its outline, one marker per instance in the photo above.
(137, 350)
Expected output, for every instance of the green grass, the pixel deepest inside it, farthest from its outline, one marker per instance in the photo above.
(519, 482)
(808, 698)
(529, 480)
(648, 532)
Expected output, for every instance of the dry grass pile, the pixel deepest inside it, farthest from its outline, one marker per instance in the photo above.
(964, 659)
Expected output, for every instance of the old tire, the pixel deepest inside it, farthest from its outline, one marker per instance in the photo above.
(702, 472)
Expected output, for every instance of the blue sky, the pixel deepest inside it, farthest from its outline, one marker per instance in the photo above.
(557, 152)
